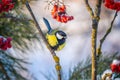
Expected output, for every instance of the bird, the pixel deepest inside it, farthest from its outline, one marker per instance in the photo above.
(55, 38)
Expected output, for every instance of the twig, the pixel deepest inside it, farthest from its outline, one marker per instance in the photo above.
(13, 18)
(88, 66)
(106, 34)
(57, 2)
(58, 67)
(89, 8)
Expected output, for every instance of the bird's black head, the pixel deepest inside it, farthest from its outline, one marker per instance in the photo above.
(61, 35)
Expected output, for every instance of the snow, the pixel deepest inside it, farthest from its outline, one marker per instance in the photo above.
(108, 71)
(116, 62)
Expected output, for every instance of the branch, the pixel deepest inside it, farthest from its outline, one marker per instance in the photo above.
(88, 66)
(95, 21)
(56, 59)
(89, 8)
(93, 49)
(4, 71)
(106, 34)
(98, 9)
(13, 18)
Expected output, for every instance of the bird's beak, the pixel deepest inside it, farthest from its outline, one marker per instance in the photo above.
(65, 37)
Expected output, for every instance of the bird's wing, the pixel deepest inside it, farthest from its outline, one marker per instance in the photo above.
(52, 40)
(47, 24)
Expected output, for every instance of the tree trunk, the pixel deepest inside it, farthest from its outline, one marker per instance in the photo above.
(93, 48)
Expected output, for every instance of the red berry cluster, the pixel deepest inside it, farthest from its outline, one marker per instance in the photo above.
(59, 13)
(6, 5)
(5, 43)
(115, 67)
(112, 4)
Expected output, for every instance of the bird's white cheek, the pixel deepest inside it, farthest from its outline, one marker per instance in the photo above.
(59, 36)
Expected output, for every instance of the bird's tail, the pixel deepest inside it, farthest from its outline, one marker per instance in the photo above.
(47, 24)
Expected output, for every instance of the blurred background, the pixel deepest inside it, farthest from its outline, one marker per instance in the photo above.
(77, 52)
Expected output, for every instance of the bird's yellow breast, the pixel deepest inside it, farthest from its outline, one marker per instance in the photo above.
(52, 40)
(61, 47)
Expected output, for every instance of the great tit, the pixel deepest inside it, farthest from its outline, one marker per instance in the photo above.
(55, 38)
